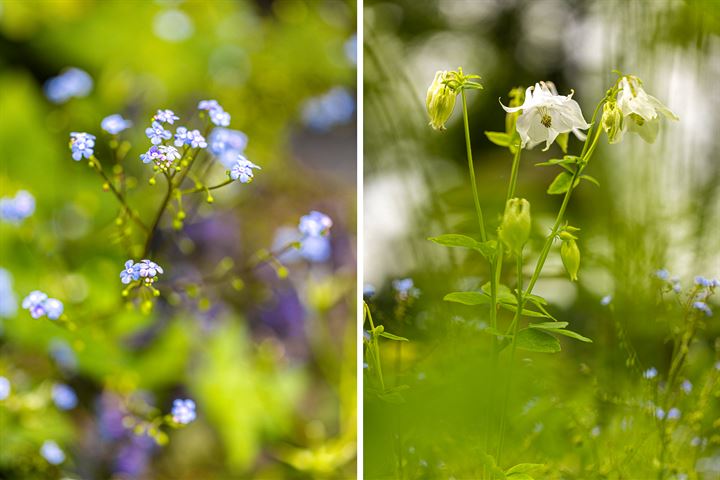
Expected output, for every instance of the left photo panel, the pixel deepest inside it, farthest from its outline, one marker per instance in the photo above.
(178, 240)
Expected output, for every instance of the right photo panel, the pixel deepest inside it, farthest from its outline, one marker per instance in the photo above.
(541, 240)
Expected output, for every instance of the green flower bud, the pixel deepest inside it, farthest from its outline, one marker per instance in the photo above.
(612, 122)
(514, 230)
(570, 254)
(440, 100)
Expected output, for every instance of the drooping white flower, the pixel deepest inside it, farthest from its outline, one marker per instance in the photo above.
(545, 115)
(640, 110)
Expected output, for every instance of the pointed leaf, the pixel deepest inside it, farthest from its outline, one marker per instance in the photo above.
(535, 340)
(561, 184)
(503, 292)
(499, 138)
(455, 240)
(571, 334)
(549, 325)
(393, 337)
(590, 179)
(562, 141)
(525, 311)
(467, 298)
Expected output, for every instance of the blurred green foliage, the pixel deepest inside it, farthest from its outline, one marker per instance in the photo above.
(585, 412)
(259, 391)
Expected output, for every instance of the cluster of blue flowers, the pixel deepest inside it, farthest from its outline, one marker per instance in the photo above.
(336, 107)
(163, 156)
(82, 145)
(193, 138)
(315, 224)
(18, 208)
(145, 269)
(72, 82)
(672, 414)
(39, 305)
(183, 411)
(672, 281)
(218, 116)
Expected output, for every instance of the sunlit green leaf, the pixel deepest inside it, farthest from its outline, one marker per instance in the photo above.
(536, 340)
(467, 298)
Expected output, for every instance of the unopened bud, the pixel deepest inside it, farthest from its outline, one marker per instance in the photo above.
(612, 122)
(440, 100)
(570, 254)
(515, 228)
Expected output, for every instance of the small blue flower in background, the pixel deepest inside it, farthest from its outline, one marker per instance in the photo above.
(16, 209)
(157, 133)
(336, 107)
(659, 413)
(5, 388)
(673, 414)
(115, 123)
(650, 373)
(405, 288)
(183, 411)
(315, 224)
(163, 156)
(194, 138)
(703, 307)
(208, 105)
(63, 355)
(64, 396)
(81, 145)
(368, 290)
(706, 282)
(72, 82)
(165, 116)
(350, 48)
(8, 299)
(219, 117)
(605, 301)
(686, 386)
(662, 274)
(39, 305)
(242, 170)
(53, 308)
(52, 452)
(315, 249)
(130, 273)
(226, 144)
(35, 303)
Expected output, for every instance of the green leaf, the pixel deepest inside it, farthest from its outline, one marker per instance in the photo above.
(503, 292)
(455, 240)
(489, 462)
(590, 179)
(467, 298)
(571, 334)
(562, 141)
(524, 468)
(393, 337)
(519, 476)
(561, 184)
(535, 340)
(549, 325)
(566, 160)
(536, 299)
(525, 311)
(499, 138)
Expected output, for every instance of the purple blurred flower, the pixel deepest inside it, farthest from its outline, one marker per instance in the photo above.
(72, 82)
(16, 209)
(183, 411)
(315, 224)
(64, 396)
(52, 452)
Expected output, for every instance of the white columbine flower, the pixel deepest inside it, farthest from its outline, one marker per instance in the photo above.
(640, 110)
(545, 115)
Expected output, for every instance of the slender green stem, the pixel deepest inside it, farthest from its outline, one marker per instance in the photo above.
(476, 198)
(202, 188)
(158, 215)
(98, 168)
(376, 346)
(513, 346)
(561, 214)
